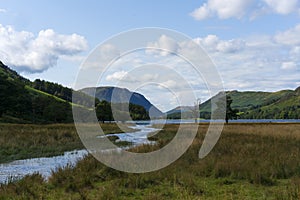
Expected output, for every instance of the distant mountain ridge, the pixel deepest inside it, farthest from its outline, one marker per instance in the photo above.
(122, 95)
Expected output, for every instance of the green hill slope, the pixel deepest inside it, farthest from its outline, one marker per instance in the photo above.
(284, 104)
(21, 103)
(286, 107)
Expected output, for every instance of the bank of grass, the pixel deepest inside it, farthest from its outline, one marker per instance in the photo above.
(250, 161)
(22, 141)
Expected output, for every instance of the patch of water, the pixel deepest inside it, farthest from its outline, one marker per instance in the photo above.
(17, 169)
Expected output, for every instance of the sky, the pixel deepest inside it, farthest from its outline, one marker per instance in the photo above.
(254, 44)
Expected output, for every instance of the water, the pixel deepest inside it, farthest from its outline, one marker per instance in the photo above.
(178, 121)
(137, 137)
(17, 169)
(44, 166)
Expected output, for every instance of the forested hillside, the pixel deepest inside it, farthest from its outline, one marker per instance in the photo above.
(122, 95)
(283, 104)
(23, 101)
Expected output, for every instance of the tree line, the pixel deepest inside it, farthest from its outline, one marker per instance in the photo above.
(122, 112)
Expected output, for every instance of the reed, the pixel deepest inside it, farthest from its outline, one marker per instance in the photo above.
(22, 141)
(250, 161)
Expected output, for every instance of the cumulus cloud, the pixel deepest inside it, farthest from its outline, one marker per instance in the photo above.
(165, 45)
(261, 62)
(283, 7)
(212, 43)
(26, 52)
(265, 63)
(117, 76)
(251, 63)
(289, 37)
(202, 12)
(225, 9)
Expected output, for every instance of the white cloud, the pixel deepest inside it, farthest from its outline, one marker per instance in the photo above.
(253, 63)
(225, 9)
(212, 43)
(26, 52)
(283, 7)
(170, 84)
(2, 10)
(117, 76)
(261, 62)
(108, 52)
(165, 45)
(202, 12)
(289, 37)
(295, 53)
(102, 57)
(289, 65)
(230, 46)
(269, 62)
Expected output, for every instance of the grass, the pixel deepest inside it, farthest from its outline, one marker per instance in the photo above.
(250, 161)
(22, 141)
(31, 89)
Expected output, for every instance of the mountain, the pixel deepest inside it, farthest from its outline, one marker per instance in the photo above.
(122, 95)
(21, 102)
(11, 74)
(284, 104)
(179, 109)
(285, 107)
(181, 112)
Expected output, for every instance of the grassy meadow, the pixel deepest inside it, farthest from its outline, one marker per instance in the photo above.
(250, 161)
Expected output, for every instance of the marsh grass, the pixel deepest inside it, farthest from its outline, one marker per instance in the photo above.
(22, 141)
(250, 161)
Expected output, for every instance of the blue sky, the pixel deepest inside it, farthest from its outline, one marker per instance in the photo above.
(255, 44)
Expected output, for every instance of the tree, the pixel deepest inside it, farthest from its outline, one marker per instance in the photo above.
(14, 98)
(103, 111)
(230, 113)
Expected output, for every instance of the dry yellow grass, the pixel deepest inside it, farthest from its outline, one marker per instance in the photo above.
(265, 129)
(250, 161)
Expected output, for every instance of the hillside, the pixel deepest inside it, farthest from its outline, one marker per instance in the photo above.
(250, 99)
(23, 101)
(20, 103)
(11, 74)
(285, 107)
(122, 95)
(181, 112)
(284, 104)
